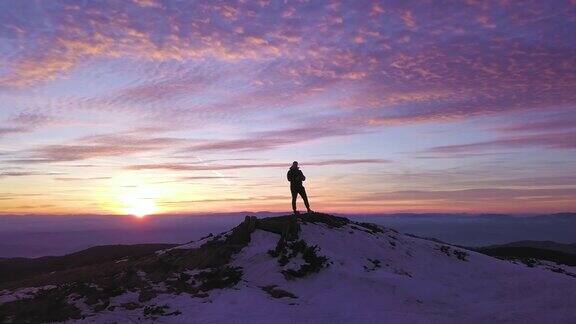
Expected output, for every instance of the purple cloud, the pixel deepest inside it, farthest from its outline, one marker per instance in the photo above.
(89, 147)
(566, 123)
(431, 62)
(272, 139)
(25, 123)
(26, 173)
(473, 195)
(566, 140)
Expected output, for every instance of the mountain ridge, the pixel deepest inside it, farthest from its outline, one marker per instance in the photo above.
(545, 245)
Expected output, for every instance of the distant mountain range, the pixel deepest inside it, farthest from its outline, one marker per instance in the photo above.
(483, 229)
(542, 245)
(20, 235)
(21, 268)
(533, 252)
(500, 217)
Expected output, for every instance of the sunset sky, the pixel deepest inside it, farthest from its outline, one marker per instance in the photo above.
(145, 106)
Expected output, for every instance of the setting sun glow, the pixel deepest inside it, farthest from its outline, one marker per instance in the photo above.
(139, 207)
(131, 194)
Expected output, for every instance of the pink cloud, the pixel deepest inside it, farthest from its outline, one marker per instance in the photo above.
(80, 179)
(13, 130)
(216, 167)
(89, 147)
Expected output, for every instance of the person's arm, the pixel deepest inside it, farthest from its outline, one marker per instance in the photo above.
(303, 176)
(288, 176)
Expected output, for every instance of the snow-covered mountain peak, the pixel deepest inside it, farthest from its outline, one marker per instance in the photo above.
(311, 268)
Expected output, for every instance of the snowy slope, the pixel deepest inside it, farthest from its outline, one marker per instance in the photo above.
(358, 273)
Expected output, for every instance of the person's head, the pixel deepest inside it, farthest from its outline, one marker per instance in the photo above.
(295, 164)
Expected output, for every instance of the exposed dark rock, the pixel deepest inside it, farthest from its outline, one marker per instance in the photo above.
(402, 272)
(131, 305)
(275, 292)
(331, 221)
(286, 226)
(374, 264)
(218, 278)
(146, 294)
(157, 311)
(460, 255)
(314, 262)
(370, 228)
(562, 271)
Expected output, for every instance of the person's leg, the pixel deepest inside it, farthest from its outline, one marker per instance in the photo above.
(294, 195)
(305, 198)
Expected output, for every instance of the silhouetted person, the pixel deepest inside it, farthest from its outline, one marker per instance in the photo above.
(296, 177)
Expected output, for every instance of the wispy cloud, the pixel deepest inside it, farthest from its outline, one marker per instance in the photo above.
(13, 130)
(563, 141)
(81, 179)
(26, 173)
(273, 139)
(25, 123)
(89, 147)
(216, 167)
(474, 195)
(565, 123)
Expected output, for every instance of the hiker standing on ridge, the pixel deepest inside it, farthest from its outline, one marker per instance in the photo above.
(295, 176)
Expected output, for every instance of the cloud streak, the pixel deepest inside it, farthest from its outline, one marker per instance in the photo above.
(473, 195)
(562, 141)
(267, 140)
(25, 123)
(215, 167)
(90, 147)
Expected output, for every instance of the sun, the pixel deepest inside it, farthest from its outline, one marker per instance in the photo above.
(139, 207)
(133, 194)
